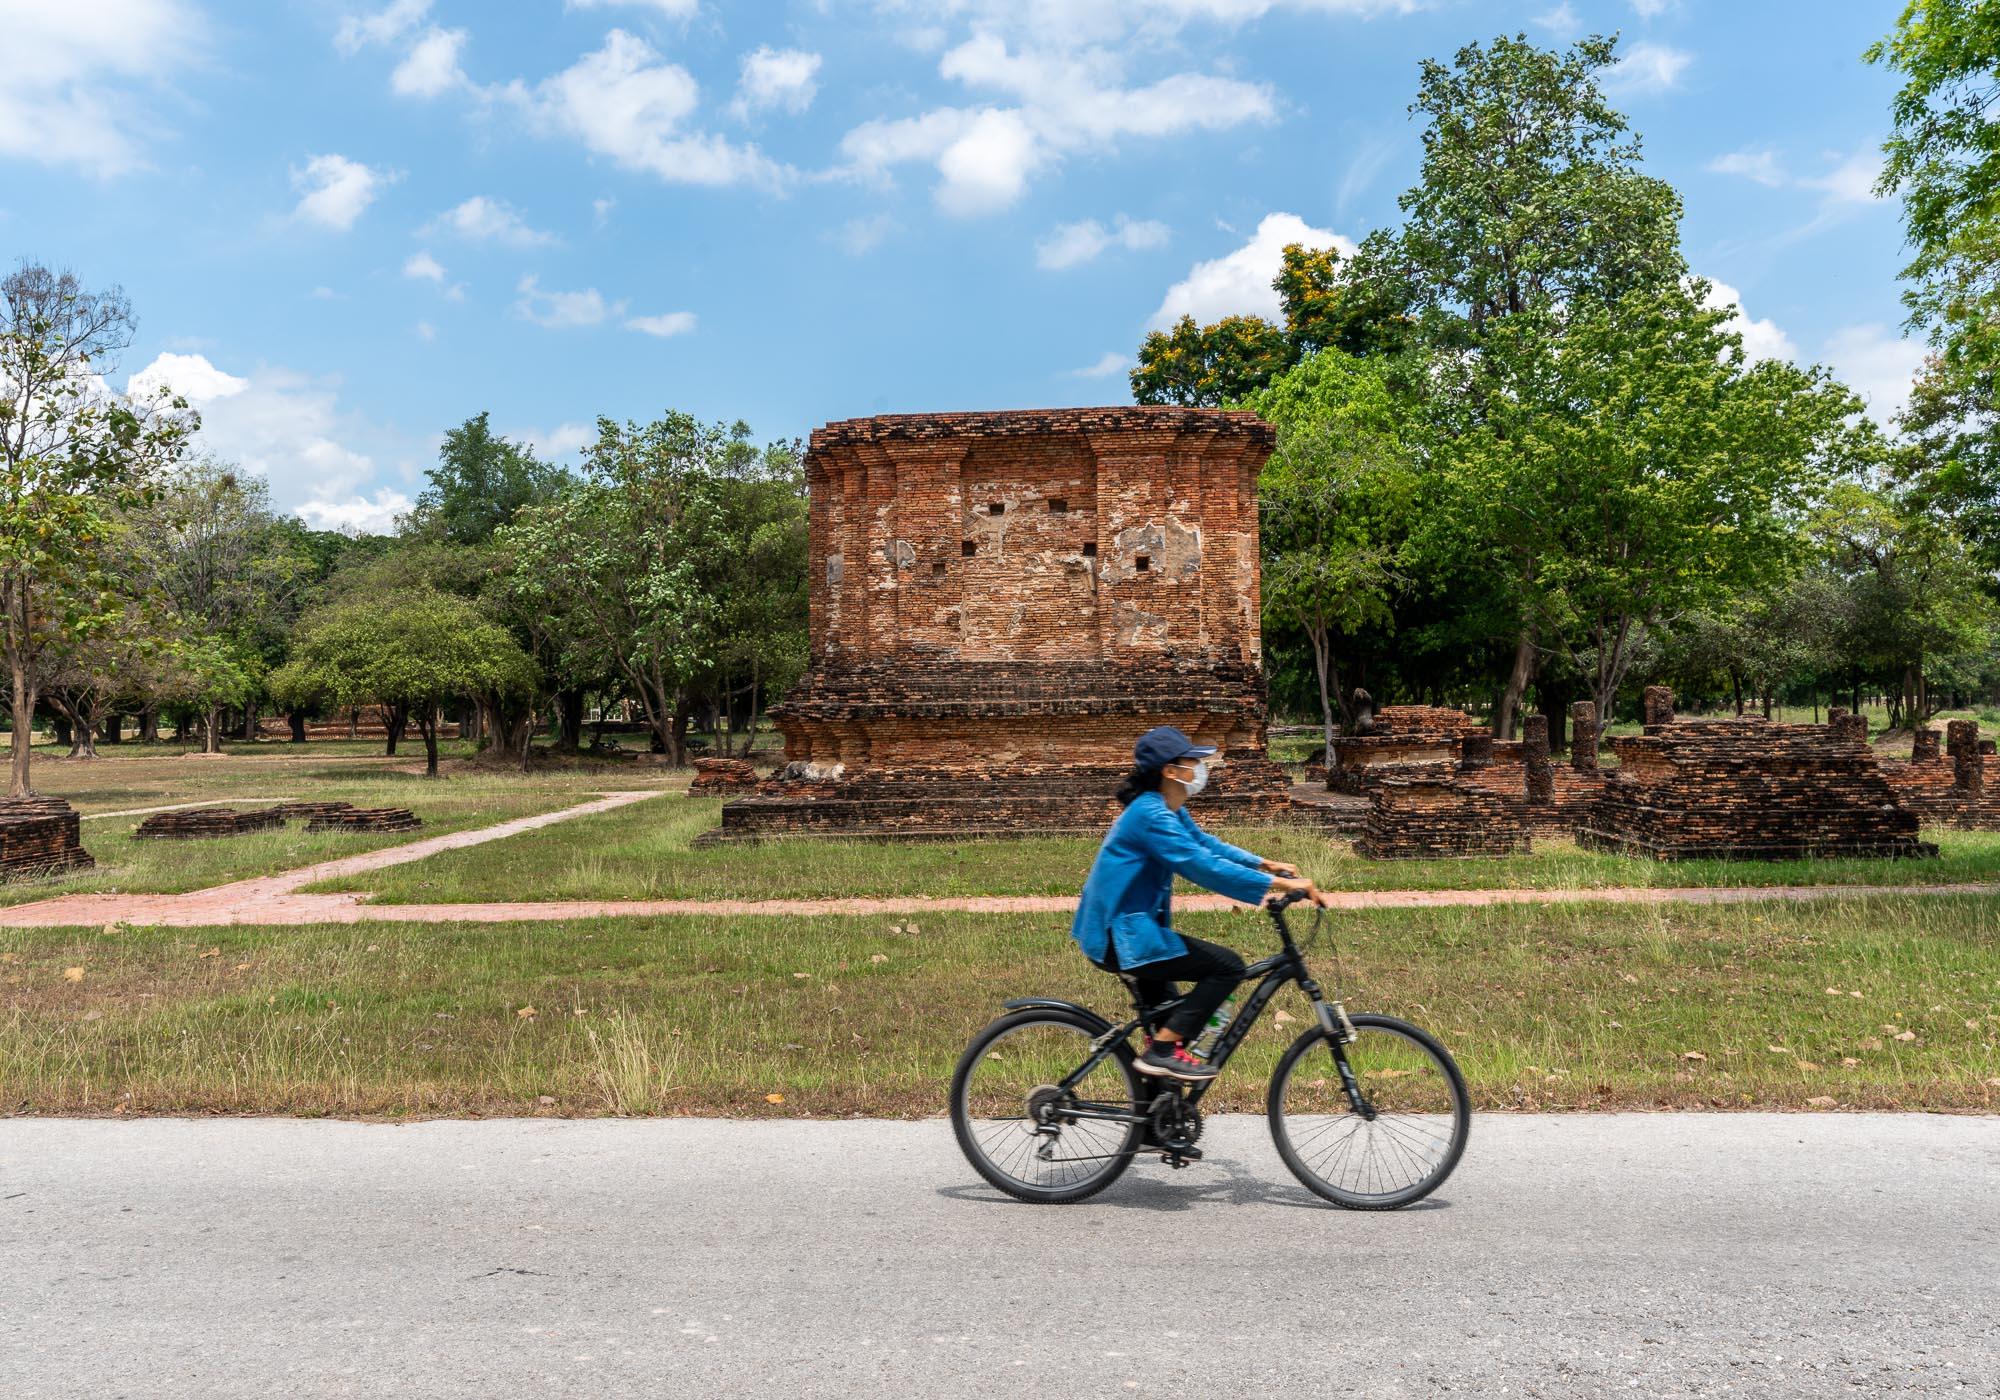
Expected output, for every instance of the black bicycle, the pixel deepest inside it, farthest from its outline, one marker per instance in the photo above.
(1369, 1112)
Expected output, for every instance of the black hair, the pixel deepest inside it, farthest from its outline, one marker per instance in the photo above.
(1141, 779)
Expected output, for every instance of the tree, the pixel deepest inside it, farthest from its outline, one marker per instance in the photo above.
(480, 481)
(1335, 500)
(89, 676)
(1635, 470)
(636, 556)
(1530, 201)
(417, 649)
(71, 454)
(1197, 366)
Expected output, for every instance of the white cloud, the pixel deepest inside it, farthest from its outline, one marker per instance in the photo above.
(430, 69)
(383, 26)
(672, 9)
(1852, 180)
(1066, 99)
(1108, 364)
(1652, 9)
(336, 190)
(771, 77)
(858, 236)
(1762, 339)
(424, 267)
(600, 211)
(358, 515)
(287, 428)
(425, 331)
(1562, 21)
(74, 72)
(672, 323)
(1239, 283)
(1069, 245)
(1877, 364)
(564, 310)
(1648, 67)
(483, 220)
(1761, 165)
(625, 102)
(559, 441)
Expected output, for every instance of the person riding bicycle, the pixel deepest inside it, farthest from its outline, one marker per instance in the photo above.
(1124, 920)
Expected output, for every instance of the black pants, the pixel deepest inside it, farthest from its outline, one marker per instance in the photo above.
(1214, 970)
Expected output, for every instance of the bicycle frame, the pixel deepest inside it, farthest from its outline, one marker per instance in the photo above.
(1288, 965)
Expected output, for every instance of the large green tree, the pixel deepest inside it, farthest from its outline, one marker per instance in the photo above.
(418, 650)
(636, 558)
(1634, 470)
(480, 481)
(72, 456)
(1336, 501)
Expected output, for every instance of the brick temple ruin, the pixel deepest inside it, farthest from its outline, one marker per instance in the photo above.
(1002, 602)
(1742, 788)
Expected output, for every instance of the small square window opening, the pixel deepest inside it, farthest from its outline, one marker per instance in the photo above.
(1090, 550)
(969, 548)
(996, 509)
(1058, 506)
(1142, 563)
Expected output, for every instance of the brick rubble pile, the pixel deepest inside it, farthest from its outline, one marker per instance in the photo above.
(199, 823)
(40, 836)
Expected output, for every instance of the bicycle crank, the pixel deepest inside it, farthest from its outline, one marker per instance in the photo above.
(1174, 1129)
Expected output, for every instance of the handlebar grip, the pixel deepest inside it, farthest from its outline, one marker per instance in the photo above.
(1286, 901)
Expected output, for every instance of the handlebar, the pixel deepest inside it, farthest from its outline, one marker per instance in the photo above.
(1285, 901)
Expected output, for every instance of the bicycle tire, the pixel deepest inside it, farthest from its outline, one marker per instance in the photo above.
(969, 1143)
(1461, 1112)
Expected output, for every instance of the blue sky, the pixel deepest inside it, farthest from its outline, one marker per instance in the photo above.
(348, 225)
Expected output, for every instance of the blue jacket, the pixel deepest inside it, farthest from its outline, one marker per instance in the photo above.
(1127, 901)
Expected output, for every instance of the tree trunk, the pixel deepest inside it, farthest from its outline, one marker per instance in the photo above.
(1518, 677)
(249, 724)
(1736, 687)
(114, 731)
(569, 720)
(211, 731)
(1329, 686)
(677, 734)
(395, 719)
(354, 724)
(83, 741)
(297, 720)
(62, 729)
(149, 725)
(427, 725)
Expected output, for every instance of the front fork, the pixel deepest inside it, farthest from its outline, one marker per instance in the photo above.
(1339, 1035)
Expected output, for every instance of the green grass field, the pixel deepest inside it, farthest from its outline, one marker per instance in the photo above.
(468, 796)
(1552, 1008)
(646, 852)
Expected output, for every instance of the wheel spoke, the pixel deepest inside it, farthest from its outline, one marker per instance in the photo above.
(1013, 1078)
(1407, 1144)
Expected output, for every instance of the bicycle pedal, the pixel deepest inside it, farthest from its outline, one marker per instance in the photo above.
(1187, 1156)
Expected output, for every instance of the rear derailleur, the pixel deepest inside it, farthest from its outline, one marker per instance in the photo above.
(1173, 1128)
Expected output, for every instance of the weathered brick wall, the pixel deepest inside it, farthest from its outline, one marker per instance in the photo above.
(1399, 736)
(1747, 789)
(1429, 814)
(39, 836)
(1002, 602)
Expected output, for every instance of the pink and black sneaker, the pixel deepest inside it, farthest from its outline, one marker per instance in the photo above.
(1170, 1060)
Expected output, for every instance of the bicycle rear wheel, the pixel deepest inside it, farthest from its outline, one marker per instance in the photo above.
(1420, 1111)
(1015, 1126)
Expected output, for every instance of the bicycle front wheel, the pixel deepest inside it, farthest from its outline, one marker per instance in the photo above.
(1401, 1145)
(1021, 1130)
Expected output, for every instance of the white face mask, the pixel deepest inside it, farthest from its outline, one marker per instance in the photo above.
(1199, 781)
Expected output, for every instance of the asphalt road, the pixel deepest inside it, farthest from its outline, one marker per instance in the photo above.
(1753, 1255)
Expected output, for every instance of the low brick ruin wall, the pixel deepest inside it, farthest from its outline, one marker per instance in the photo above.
(1400, 737)
(40, 836)
(1438, 814)
(723, 775)
(1747, 789)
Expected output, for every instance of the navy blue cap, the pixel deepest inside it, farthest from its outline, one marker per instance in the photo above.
(1159, 747)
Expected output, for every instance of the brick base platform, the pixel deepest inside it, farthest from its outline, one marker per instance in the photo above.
(308, 811)
(206, 822)
(366, 819)
(40, 836)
